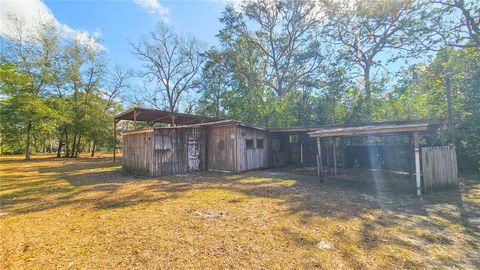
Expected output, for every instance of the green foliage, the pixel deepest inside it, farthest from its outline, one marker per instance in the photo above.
(421, 94)
(22, 109)
(52, 92)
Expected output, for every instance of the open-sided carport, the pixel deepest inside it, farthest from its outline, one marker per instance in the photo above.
(439, 164)
(152, 117)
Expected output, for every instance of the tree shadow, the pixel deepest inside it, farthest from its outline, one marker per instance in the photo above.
(100, 185)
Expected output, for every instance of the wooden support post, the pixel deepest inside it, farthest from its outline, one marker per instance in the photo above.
(134, 119)
(301, 152)
(411, 163)
(327, 155)
(270, 150)
(334, 149)
(417, 163)
(114, 139)
(319, 160)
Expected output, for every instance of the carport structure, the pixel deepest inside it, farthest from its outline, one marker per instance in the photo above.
(152, 117)
(413, 130)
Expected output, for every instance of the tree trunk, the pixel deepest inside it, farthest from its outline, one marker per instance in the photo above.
(77, 153)
(93, 148)
(368, 93)
(59, 148)
(1, 144)
(89, 146)
(72, 152)
(27, 142)
(60, 142)
(67, 149)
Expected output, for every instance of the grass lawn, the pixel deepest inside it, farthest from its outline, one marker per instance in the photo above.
(86, 214)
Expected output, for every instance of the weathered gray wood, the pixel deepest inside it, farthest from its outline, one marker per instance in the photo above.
(368, 130)
(134, 119)
(251, 158)
(301, 152)
(270, 150)
(440, 170)
(137, 153)
(417, 163)
(221, 148)
(319, 161)
(114, 139)
(327, 156)
(334, 146)
(161, 152)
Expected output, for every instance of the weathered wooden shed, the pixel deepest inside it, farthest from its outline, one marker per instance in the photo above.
(164, 151)
(199, 144)
(234, 146)
(196, 143)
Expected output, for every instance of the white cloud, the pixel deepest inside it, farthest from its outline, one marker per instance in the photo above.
(234, 3)
(88, 39)
(30, 11)
(34, 11)
(153, 6)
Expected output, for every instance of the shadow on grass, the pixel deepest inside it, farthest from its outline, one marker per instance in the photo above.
(99, 184)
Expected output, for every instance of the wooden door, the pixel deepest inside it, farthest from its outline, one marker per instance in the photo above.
(193, 154)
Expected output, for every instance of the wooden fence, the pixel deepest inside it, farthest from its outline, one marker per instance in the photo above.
(439, 168)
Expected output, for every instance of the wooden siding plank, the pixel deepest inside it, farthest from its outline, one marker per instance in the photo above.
(440, 170)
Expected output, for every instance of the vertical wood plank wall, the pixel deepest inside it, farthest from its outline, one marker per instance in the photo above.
(252, 158)
(439, 168)
(221, 148)
(173, 158)
(137, 153)
(162, 151)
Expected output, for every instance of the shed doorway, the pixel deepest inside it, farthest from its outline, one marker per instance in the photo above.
(193, 154)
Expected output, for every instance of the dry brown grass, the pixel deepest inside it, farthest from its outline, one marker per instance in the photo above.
(84, 213)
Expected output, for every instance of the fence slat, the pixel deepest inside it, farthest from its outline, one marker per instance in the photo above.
(439, 168)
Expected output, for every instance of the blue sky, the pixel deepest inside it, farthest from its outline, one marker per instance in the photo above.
(122, 21)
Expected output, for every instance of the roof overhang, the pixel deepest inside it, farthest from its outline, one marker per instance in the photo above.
(370, 130)
(152, 116)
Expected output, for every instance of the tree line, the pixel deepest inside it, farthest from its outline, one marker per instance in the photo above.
(56, 91)
(278, 63)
